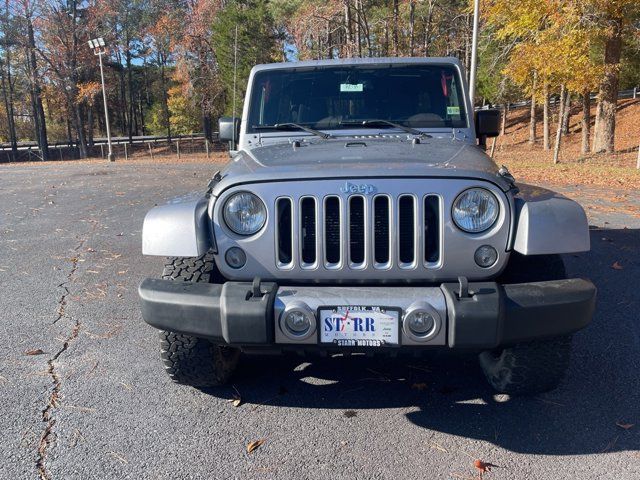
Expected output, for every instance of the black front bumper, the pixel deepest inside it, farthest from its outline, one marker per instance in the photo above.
(487, 316)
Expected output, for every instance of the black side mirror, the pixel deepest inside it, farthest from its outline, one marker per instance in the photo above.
(487, 123)
(229, 130)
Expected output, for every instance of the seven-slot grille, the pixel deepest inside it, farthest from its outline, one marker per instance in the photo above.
(358, 232)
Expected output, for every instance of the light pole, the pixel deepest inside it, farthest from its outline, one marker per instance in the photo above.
(99, 49)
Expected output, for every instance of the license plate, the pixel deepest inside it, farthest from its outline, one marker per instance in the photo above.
(359, 326)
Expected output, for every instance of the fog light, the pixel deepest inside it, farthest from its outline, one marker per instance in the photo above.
(297, 321)
(421, 322)
(235, 257)
(486, 256)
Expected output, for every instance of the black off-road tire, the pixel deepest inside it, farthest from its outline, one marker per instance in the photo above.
(192, 360)
(537, 366)
(527, 368)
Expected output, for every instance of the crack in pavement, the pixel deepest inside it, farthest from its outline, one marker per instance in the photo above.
(48, 434)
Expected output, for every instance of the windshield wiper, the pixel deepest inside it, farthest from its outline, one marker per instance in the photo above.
(292, 126)
(380, 122)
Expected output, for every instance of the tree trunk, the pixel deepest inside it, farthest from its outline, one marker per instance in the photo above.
(165, 99)
(90, 124)
(69, 137)
(207, 126)
(386, 38)
(396, 38)
(130, 92)
(566, 114)
(533, 121)
(79, 125)
(347, 27)
(586, 121)
(362, 16)
(427, 29)
(565, 98)
(142, 124)
(124, 123)
(604, 135)
(357, 7)
(505, 112)
(7, 95)
(545, 118)
(468, 39)
(36, 93)
(412, 25)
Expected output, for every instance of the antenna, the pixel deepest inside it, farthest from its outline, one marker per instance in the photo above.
(235, 76)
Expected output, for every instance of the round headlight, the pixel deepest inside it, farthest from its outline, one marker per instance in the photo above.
(245, 213)
(475, 210)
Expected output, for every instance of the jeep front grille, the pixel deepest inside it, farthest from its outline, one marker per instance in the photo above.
(358, 232)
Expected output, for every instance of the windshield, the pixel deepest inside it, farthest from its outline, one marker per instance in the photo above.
(418, 96)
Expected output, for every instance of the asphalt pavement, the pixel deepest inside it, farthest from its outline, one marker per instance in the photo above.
(91, 400)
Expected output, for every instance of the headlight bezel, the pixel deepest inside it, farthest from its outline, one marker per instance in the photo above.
(226, 214)
(489, 225)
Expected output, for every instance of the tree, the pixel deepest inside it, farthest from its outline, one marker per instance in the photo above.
(8, 31)
(162, 35)
(613, 19)
(256, 43)
(197, 66)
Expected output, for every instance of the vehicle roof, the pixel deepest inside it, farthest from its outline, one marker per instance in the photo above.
(359, 61)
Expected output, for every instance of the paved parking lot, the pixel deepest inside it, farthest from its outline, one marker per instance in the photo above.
(96, 403)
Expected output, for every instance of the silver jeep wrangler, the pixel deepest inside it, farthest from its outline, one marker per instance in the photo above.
(360, 214)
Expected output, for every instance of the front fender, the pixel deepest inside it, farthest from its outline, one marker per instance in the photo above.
(547, 223)
(178, 229)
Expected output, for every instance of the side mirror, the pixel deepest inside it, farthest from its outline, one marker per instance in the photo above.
(228, 129)
(487, 123)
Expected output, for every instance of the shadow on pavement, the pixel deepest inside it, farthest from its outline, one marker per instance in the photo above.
(447, 393)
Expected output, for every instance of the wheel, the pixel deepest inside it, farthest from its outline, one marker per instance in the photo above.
(533, 367)
(192, 360)
(527, 368)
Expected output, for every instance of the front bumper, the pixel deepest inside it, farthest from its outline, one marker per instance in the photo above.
(485, 315)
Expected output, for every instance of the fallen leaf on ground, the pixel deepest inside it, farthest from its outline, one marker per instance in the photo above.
(625, 426)
(419, 386)
(616, 266)
(255, 444)
(483, 466)
(36, 351)
(350, 413)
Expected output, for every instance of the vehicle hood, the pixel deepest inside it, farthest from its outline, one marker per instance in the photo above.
(353, 158)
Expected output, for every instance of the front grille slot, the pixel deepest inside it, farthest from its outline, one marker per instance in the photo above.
(356, 230)
(432, 228)
(308, 230)
(332, 234)
(381, 221)
(284, 231)
(406, 230)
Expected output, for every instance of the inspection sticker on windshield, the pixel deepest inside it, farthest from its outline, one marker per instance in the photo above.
(359, 326)
(453, 110)
(351, 87)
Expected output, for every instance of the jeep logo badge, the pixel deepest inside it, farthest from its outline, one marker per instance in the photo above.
(365, 188)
